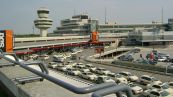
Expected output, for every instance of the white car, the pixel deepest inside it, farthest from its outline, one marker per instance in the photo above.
(135, 89)
(170, 84)
(58, 58)
(156, 93)
(102, 71)
(163, 86)
(89, 75)
(119, 78)
(106, 47)
(91, 67)
(104, 79)
(63, 68)
(84, 69)
(73, 71)
(44, 57)
(79, 65)
(69, 66)
(129, 76)
(33, 56)
(162, 59)
(52, 65)
(68, 55)
(72, 64)
(146, 79)
(59, 67)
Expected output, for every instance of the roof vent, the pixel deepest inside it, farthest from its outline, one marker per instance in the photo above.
(28, 79)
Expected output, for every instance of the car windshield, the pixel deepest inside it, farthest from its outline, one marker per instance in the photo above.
(132, 85)
(73, 69)
(164, 93)
(85, 68)
(118, 75)
(107, 78)
(131, 74)
(88, 73)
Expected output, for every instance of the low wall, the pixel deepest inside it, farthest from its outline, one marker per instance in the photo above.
(12, 87)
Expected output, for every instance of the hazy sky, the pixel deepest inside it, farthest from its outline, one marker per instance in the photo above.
(19, 15)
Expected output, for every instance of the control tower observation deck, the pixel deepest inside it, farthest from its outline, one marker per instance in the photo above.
(43, 22)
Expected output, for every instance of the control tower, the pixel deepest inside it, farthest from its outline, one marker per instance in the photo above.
(43, 22)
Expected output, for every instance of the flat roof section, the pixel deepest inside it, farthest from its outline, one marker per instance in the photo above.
(37, 89)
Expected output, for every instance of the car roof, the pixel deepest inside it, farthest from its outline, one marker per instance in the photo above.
(146, 76)
(125, 72)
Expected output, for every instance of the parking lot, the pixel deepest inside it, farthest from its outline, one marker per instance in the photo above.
(90, 51)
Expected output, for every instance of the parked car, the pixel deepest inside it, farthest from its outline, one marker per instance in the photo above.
(118, 78)
(156, 93)
(63, 68)
(58, 58)
(163, 55)
(52, 65)
(164, 86)
(78, 65)
(162, 59)
(33, 56)
(103, 79)
(127, 57)
(146, 79)
(73, 71)
(84, 69)
(170, 84)
(89, 76)
(91, 67)
(102, 71)
(72, 64)
(135, 89)
(59, 67)
(129, 76)
(44, 57)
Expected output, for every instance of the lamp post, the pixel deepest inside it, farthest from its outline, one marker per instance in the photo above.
(166, 68)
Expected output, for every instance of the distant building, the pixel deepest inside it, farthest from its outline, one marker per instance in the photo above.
(170, 25)
(158, 37)
(118, 28)
(83, 25)
(77, 25)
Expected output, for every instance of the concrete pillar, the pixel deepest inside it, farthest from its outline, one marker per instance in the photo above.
(43, 32)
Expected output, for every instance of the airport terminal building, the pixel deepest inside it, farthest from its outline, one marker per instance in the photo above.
(82, 25)
(159, 37)
(77, 25)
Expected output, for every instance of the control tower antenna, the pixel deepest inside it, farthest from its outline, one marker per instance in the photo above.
(74, 12)
(43, 22)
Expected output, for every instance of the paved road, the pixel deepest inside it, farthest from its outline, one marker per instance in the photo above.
(88, 52)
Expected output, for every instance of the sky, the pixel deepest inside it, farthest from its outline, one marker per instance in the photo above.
(19, 15)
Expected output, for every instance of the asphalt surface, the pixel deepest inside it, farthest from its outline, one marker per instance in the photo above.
(89, 52)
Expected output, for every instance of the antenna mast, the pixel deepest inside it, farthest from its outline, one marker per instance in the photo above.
(105, 16)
